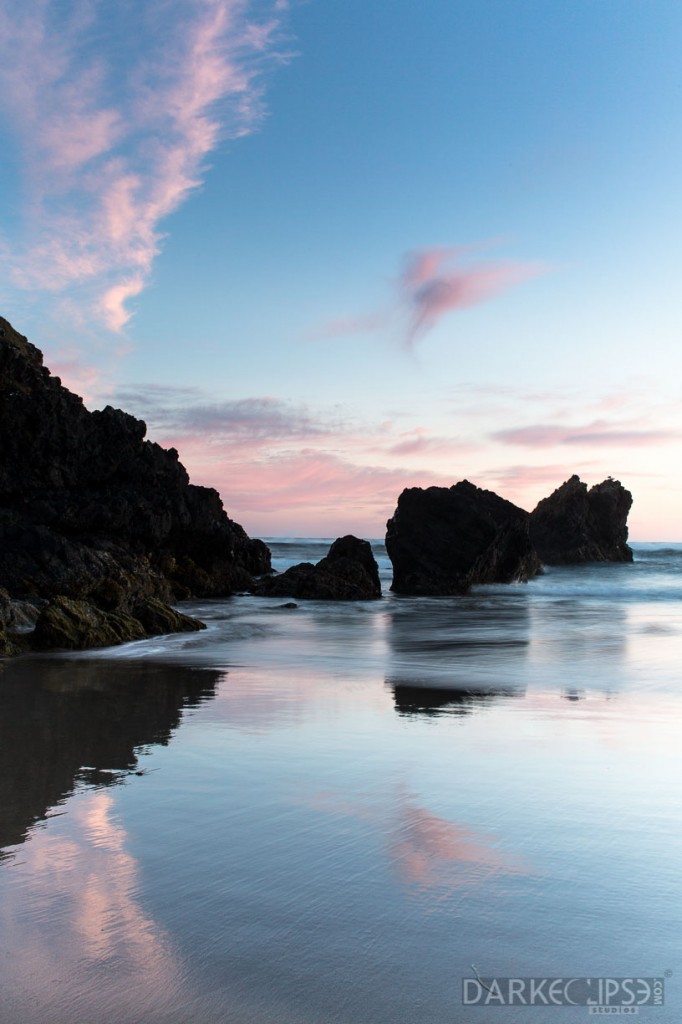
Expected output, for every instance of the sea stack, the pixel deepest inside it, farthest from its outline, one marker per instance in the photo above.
(443, 540)
(575, 525)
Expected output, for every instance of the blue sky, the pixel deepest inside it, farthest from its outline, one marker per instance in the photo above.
(332, 249)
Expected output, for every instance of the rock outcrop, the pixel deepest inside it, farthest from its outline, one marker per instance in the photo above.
(68, 624)
(348, 572)
(91, 511)
(574, 525)
(443, 540)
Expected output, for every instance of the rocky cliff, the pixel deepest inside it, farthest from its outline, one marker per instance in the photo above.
(92, 511)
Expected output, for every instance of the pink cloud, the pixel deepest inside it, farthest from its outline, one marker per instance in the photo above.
(317, 492)
(526, 485)
(431, 285)
(113, 303)
(434, 285)
(113, 146)
(418, 442)
(423, 265)
(313, 479)
(80, 378)
(599, 434)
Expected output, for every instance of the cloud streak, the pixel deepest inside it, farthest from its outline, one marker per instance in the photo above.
(115, 135)
(597, 434)
(259, 420)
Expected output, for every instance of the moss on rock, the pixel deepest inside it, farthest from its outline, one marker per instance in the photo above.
(70, 624)
(157, 617)
(75, 625)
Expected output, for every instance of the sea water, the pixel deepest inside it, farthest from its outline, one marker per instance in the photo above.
(339, 812)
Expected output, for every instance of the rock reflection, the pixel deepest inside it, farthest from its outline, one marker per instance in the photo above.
(65, 722)
(433, 701)
(581, 630)
(457, 652)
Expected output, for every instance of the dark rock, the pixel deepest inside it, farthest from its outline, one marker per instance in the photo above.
(443, 540)
(343, 558)
(91, 511)
(348, 572)
(9, 644)
(574, 525)
(17, 615)
(157, 617)
(74, 625)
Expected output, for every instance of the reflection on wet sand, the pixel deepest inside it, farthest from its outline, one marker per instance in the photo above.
(456, 654)
(432, 854)
(70, 721)
(76, 917)
(583, 637)
(428, 700)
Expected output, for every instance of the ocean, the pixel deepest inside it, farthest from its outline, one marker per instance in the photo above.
(389, 812)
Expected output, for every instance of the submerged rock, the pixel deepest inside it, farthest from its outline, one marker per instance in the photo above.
(91, 511)
(348, 572)
(443, 540)
(574, 525)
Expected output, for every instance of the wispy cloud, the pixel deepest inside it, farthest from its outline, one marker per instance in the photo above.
(117, 108)
(188, 413)
(437, 281)
(434, 282)
(598, 434)
(420, 442)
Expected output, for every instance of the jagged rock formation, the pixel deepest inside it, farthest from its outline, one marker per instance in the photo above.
(574, 525)
(91, 511)
(443, 540)
(348, 572)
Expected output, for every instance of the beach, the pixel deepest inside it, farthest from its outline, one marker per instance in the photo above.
(339, 812)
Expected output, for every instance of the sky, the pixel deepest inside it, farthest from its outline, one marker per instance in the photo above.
(329, 249)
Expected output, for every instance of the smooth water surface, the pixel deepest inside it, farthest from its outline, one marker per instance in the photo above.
(335, 813)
